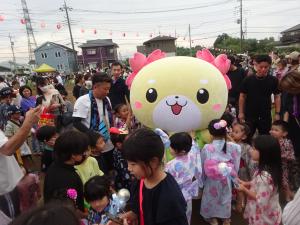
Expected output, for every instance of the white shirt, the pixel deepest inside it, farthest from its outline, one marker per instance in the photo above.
(59, 79)
(3, 85)
(10, 171)
(82, 109)
(291, 212)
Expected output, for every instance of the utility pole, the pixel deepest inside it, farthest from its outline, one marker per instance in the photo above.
(190, 39)
(13, 52)
(66, 9)
(241, 26)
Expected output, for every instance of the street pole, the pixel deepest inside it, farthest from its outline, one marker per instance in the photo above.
(241, 26)
(13, 52)
(190, 39)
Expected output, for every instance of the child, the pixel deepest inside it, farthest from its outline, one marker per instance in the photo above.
(5, 102)
(241, 135)
(279, 131)
(123, 177)
(97, 193)
(23, 155)
(217, 192)
(124, 119)
(185, 167)
(263, 199)
(47, 135)
(156, 196)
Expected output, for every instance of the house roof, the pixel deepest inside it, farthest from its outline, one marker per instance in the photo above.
(98, 43)
(160, 38)
(55, 44)
(297, 27)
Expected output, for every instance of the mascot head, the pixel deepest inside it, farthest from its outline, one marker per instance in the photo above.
(178, 93)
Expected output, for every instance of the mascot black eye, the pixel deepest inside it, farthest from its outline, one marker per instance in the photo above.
(151, 95)
(202, 95)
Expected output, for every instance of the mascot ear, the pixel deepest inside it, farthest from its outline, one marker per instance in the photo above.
(137, 62)
(222, 63)
(155, 55)
(205, 55)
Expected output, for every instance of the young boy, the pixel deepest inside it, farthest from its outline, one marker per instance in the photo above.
(279, 130)
(255, 97)
(47, 135)
(5, 101)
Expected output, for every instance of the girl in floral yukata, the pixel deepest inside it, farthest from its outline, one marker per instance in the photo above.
(185, 167)
(263, 199)
(221, 161)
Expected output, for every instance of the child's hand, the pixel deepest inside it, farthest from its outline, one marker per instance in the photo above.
(241, 187)
(130, 218)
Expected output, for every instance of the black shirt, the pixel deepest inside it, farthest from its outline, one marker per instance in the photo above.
(118, 92)
(76, 91)
(236, 77)
(60, 176)
(259, 91)
(162, 205)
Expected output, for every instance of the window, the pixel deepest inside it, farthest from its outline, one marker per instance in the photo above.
(42, 55)
(91, 51)
(57, 54)
(45, 55)
(111, 51)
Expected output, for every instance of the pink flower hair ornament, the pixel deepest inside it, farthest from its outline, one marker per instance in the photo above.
(221, 62)
(139, 60)
(219, 125)
(72, 194)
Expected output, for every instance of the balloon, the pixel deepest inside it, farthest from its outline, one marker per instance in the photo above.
(43, 25)
(23, 21)
(2, 18)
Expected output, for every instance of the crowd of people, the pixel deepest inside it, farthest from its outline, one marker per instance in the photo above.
(90, 150)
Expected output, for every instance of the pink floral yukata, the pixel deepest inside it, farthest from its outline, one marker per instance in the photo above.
(265, 210)
(187, 171)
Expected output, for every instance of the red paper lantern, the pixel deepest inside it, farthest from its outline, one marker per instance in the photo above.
(137, 34)
(58, 26)
(82, 30)
(2, 18)
(110, 33)
(150, 35)
(95, 31)
(23, 21)
(43, 25)
(124, 34)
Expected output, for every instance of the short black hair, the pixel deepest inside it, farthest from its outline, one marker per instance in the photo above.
(228, 117)
(22, 88)
(118, 107)
(282, 124)
(49, 214)
(263, 58)
(142, 145)
(70, 143)
(220, 132)
(63, 92)
(93, 138)
(97, 188)
(181, 142)
(232, 59)
(117, 138)
(40, 81)
(2, 79)
(116, 64)
(45, 133)
(101, 78)
(78, 78)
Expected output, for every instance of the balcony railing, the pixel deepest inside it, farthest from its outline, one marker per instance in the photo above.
(290, 38)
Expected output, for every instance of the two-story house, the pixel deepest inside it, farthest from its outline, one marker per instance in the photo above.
(60, 57)
(291, 37)
(98, 53)
(164, 43)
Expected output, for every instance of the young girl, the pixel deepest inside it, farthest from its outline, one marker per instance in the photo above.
(217, 192)
(263, 199)
(185, 167)
(241, 135)
(124, 119)
(156, 196)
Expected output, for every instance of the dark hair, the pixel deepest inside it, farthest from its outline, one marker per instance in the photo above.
(2, 79)
(269, 157)
(55, 80)
(78, 78)
(40, 81)
(228, 117)
(49, 214)
(70, 143)
(118, 107)
(101, 78)
(22, 88)
(97, 188)
(232, 59)
(282, 62)
(14, 82)
(87, 76)
(63, 92)
(142, 145)
(181, 142)
(282, 124)
(247, 131)
(221, 132)
(117, 138)
(116, 64)
(93, 138)
(263, 58)
(45, 133)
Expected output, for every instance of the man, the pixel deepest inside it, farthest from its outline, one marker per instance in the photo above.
(119, 91)
(93, 112)
(236, 76)
(255, 97)
(294, 58)
(5, 102)
(10, 171)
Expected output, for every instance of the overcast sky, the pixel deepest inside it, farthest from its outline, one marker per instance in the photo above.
(139, 19)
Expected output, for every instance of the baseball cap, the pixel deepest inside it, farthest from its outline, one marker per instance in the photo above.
(6, 91)
(12, 109)
(294, 55)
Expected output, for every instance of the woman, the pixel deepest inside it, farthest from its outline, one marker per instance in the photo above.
(28, 101)
(87, 84)
(79, 81)
(291, 108)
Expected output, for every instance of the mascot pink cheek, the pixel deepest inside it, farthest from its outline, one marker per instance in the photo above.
(138, 105)
(217, 107)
